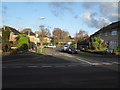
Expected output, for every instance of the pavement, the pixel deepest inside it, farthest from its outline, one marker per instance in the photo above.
(58, 69)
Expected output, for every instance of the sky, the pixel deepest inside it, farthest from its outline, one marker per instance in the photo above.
(69, 16)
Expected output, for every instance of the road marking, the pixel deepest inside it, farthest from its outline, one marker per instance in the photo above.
(46, 66)
(32, 66)
(83, 61)
(67, 55)
(60, 65)
(96, 64)
(106, 63)
(115, 62)
(88, 62)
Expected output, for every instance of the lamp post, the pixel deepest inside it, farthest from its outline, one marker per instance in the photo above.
(41, 18)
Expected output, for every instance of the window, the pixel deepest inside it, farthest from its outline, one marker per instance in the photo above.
(100, 33)
(106, 34)
(114, 33)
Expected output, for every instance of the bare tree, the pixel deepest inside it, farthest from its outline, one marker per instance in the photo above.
(44, 32)
(81, 36)
(60, 35)
(65, 36)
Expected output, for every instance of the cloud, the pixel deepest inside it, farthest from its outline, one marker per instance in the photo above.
(102, 13)
(114, 17)
(89, 5)
(108, 7)
(104, 7)
(59, 8)
(92, 21)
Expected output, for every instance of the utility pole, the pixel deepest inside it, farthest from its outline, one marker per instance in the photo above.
(41, 43)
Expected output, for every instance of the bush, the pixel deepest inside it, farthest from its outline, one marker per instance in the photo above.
(23, 41)
(98, 44)
(24, 47)
(117, 51)
(46, 43)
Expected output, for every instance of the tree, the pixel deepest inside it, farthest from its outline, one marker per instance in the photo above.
(97, 43)
(5, 35)
(81, 36)
(5, 39)
(65, 36)
(60, 35)
(44, 32)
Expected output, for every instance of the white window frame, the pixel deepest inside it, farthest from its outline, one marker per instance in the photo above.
(114, 32)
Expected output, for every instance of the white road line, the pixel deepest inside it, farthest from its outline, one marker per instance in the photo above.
(68, 55)
(46, 66)
(106, 63)
(60, 66)
(88, 62)
(115, 62)
(83, 61)
(96, 64)
(32, 66)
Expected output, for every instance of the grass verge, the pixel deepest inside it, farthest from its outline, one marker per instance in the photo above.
(85, 54)
(39, 52)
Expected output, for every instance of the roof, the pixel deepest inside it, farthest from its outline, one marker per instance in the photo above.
(27, 31)
(111, 26)
(12, 30)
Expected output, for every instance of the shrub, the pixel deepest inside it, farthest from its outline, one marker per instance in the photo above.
(117, 51)
(46, 43)
(98, 44)
(23, 41)
(24, 47)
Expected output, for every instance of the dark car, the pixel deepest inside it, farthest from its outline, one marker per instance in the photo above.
(71, 49)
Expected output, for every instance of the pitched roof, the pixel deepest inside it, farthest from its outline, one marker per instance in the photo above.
(12, 30)
(27, 31)
(109, 27)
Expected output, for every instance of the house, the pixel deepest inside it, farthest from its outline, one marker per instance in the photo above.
(83, 45)
(13, 33)
(110, 34)
(30, 34)
(9, 38)
(71, 40)
(33, 37)
(47, 39)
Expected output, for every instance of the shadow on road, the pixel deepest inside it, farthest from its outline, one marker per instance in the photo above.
(27, 76)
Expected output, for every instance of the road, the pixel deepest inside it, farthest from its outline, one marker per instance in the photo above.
(59, 70)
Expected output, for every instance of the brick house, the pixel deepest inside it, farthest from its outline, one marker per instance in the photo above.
(13, 33)
(110, 34)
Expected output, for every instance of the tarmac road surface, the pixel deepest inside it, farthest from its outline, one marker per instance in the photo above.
(58, 70)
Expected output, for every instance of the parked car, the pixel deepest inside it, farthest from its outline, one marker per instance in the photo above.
(50, 46)
(65, 47)
(71, 49)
